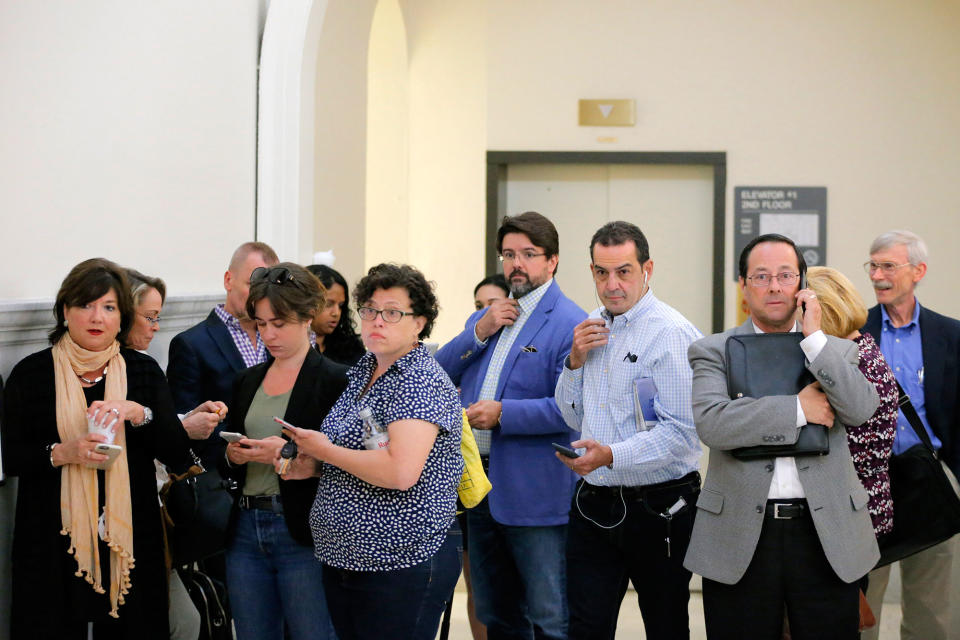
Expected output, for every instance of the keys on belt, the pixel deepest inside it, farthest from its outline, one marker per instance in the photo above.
(264, 503)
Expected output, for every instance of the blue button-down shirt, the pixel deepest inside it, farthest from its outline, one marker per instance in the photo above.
(903, 351)
(597, 399)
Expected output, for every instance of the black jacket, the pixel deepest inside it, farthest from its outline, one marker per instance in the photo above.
(318, 385)
(203, 363)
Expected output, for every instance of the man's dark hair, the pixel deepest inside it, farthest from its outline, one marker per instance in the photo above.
(538, 228)
(294, 293)
(89, 281)
(423, 301)
(619, 232)
(496, 280)
(770, 237)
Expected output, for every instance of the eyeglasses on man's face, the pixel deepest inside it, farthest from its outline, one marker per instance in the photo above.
(785, 279)
(887, 268)
(392, 316)
(521, 256)
(274, 275)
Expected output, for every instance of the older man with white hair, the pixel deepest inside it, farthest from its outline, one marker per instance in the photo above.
(923, 349)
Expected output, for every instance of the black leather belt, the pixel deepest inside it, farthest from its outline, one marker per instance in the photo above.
(787, 509)
(691, 481)
(264, 503)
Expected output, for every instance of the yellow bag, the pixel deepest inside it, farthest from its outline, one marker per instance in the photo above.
(474, 484)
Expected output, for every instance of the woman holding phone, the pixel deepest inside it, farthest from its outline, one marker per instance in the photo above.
(272, 575)
(88, 543)
(382, 513)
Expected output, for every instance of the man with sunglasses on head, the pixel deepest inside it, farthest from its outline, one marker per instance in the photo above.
(205, 359)
(923, 349)
(781, 536)
(626, 389)
(506, 362)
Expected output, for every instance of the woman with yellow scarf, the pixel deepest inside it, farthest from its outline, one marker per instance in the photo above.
(88, 543)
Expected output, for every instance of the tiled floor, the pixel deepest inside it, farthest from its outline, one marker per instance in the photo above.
(631, 625)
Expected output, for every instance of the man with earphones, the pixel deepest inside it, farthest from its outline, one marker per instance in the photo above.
(626, 388)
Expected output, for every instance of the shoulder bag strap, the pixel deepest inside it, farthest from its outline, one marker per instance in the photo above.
(911, 414)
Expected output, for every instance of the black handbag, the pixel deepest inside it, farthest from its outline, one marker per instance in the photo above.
(772, 364)
(198, 505)
(209, 597)
(926, 508)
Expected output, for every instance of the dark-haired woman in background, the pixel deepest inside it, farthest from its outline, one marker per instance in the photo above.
(336, 336)
(272, 575)
(381, 517)
(88, 544)
(489, 290)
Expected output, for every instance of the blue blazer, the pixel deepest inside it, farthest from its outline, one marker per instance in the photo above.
(530, 486)
(202, 365)
(940, 343)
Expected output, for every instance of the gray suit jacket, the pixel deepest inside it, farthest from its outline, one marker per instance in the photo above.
(730, 509)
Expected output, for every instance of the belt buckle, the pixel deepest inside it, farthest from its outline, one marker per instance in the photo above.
(245, 502)
(776, 511)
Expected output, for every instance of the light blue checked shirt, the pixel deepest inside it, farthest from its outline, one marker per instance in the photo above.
(508, 335)
(597, 399)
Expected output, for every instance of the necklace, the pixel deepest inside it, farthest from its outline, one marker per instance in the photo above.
(93, 381)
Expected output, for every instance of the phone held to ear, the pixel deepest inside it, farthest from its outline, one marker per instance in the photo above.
(565, 450)
(109, 450)
(803, 285)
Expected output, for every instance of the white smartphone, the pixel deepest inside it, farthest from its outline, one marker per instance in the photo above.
(283, 422)
(109, 450)
(232, 436)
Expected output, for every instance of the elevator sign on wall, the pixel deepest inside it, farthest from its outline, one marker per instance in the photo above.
(800, 213)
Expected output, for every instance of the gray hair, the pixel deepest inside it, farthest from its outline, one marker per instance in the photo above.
(916, 247)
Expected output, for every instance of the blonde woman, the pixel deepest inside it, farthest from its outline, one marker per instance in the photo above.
(871, 443)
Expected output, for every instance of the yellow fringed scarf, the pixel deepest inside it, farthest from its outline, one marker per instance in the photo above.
(78, 483)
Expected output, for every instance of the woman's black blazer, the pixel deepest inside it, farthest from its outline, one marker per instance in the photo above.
(319, 384)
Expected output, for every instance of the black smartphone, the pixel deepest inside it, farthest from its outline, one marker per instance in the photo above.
(803, 285)
(565, 450)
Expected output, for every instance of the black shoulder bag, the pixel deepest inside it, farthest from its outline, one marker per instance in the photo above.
(926, 509)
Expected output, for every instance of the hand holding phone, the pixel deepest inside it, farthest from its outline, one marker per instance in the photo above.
(109, 450)
(231, 436)
(565, 450)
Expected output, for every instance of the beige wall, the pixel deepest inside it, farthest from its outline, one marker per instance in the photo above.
(340, 133)
(862, 97)
(126, 131)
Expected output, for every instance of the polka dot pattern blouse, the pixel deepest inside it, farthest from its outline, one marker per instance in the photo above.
(362, 527)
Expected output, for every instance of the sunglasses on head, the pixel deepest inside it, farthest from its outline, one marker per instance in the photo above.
(274, 275)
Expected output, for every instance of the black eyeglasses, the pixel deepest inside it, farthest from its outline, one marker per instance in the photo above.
(274, 275)
(392, 316)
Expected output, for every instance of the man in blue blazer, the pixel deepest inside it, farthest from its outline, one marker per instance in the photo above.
(204, 360)
(506, 363)
(923, 349)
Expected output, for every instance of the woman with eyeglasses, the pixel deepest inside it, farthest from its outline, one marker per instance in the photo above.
(88, 542)
(384, 508)
(273, 578)
(149, 294)
(336, 336)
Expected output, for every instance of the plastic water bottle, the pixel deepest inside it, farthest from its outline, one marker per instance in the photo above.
(374, 436)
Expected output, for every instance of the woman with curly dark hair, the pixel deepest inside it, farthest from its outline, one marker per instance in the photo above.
(384, 508)
(336, 336)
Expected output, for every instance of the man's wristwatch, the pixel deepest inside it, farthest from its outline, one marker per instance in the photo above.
(147, 418)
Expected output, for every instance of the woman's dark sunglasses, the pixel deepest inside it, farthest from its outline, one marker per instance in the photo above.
(274, 275)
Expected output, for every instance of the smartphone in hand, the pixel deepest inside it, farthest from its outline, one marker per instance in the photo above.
(109, 450)
(231, 436)
(565, 450)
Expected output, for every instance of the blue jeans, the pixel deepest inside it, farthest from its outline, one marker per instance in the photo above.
(402, 604)
(519, 577)
(272, 579)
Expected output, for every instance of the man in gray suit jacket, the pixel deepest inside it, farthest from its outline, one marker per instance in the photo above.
(780, 533)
